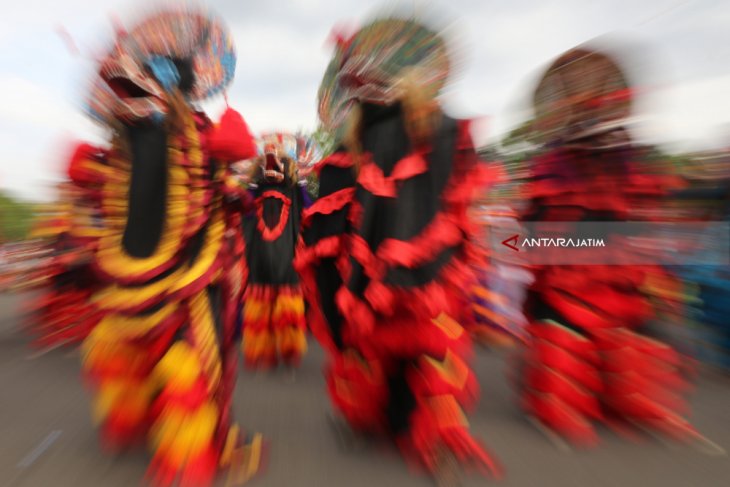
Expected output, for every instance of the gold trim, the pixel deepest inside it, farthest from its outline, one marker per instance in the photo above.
(202, 325)
(111, 256)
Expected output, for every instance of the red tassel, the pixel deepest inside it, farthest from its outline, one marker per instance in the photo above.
(76, 171)
(230, 140)
(561, 418)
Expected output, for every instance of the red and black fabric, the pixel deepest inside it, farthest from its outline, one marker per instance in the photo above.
(644, 382)
(560, 380)
(400, 243)
(274, 325)
(325, 225)
(586, 357)
(272, 233)
(162, 360)
(579, 184)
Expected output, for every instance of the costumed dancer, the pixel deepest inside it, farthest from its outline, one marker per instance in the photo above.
(162, 362)
(64, 314)
(588, 358)
(709, 313)
(387, 246)
(499, 293)
(274, 326)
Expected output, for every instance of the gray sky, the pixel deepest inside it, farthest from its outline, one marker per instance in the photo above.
(282, 54)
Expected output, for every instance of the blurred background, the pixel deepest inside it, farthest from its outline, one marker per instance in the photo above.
(682, 119)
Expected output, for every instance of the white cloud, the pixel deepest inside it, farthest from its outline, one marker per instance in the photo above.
(23, 102)
(692, 114)
(34, 120)
(282, 56)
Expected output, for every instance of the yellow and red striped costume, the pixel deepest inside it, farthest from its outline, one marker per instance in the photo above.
(162, 361)
(63, 313)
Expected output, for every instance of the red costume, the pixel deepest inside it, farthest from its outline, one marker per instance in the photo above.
(386, 261)
(589, 358)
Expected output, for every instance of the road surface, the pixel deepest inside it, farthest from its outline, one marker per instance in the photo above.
(47, 439)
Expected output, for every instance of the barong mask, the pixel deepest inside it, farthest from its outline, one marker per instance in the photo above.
(387, 61)
(145, 91)
(176, 50)
(585, 99)
(278, 160)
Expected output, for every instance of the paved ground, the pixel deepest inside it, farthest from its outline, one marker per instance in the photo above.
(46, 437)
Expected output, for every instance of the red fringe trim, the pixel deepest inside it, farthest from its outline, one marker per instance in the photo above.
(595, 191)
(561, 417)
(427, 435)
(440, 295)
(563, 362)
(427, 382)
(567, 340)
(570, 277)
(410, 339)
(338, 159)
(643, 381)
(439, 235)
(62, 317)
(592, 201)
(358, 315)
(450, 228)
(545, 380)
(328, 247)
(402, 316)
(354, 216)
(305, 265)
(329, 204)
(360, 251)
(265, 295)
(195, 472)
(123, 429)
(359, 391)
(372, 178)
(270, 234)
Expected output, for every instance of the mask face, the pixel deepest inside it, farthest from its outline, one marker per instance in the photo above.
(133, 92)
(178, 49)
(369, 65)
(272, 165)
(278, 151)
(584, 93)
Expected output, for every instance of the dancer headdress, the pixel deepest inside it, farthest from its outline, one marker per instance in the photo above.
(583, 94)
(388, 246)
(183, 49)
(387, 60)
